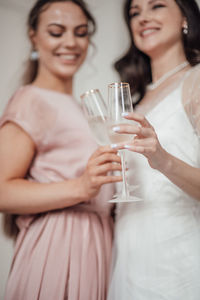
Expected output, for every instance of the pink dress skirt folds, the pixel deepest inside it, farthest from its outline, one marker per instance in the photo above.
(63, 254)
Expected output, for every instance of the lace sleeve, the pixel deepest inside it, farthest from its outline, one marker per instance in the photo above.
(191, 97)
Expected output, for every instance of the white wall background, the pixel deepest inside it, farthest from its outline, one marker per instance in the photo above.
(110, 40)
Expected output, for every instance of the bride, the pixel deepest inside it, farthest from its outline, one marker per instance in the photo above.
(156, 251)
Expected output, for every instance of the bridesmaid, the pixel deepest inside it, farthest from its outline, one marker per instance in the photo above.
(53, 176)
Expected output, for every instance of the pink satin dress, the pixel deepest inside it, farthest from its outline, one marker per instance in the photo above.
(63, 254)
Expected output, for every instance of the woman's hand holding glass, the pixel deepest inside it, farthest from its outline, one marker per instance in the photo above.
(99, 170)
(145, 141)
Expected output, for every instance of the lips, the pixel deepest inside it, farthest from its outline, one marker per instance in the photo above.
(148, 31)
(68, 57)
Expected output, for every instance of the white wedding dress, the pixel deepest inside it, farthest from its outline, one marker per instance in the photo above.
(156, 253)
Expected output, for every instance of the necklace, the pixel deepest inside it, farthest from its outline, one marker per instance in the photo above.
(153, 86)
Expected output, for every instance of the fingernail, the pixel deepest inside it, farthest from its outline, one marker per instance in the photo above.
(116, 128)
(113, 146)
(127, 146)
(125, 114)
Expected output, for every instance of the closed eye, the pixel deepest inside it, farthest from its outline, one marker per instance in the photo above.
(134, 12)
(82, 31)
(56, 30)
(55, 34)
(133, 15)
(156, 6)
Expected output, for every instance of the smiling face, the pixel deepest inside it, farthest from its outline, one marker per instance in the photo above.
(156, 25)
(61, 39)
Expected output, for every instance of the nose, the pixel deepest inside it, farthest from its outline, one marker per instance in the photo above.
(145, 16)
(69, 40)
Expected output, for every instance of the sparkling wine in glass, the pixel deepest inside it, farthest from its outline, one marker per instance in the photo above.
(120, 102)
(95, 110)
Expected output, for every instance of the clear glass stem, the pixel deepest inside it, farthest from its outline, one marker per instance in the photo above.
(125, 191)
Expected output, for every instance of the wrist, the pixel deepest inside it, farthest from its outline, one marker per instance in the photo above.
(167, 165)
(81, 189)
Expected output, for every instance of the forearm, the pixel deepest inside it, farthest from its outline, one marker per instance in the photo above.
(21, 196)
(183, 175)
(146, 143)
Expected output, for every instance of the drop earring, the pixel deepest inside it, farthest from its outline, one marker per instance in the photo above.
(34, 55)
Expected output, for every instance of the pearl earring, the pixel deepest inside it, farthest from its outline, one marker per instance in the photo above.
(34, 55)
(185, 29)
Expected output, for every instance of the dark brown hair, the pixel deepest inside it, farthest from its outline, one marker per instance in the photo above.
(134, 66)
(9, 225)
(33, 19)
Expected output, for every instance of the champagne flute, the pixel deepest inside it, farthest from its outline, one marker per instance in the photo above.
(119, 103)
(95, 110)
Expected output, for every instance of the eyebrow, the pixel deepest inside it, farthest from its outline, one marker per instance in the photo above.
(56, 24)
(63, 27)
(133, 6)
(136, 6)
(151, 1)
